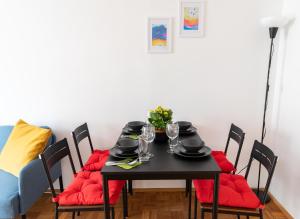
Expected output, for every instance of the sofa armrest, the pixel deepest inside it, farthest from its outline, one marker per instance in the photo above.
(33, 183)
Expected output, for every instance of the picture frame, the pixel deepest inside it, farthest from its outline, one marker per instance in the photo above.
(160, 35)
(192, 18)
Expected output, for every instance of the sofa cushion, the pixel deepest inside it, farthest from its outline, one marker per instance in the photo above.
(9, 195)
(86, 189)
(234, 191)
(24, 144)
(221, 159)
(4, 134)
(6, 130)
(96, 161)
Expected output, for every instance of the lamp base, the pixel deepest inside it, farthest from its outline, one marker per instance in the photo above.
(260, 195)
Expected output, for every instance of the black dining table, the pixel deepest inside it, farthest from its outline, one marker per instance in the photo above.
(165, 166)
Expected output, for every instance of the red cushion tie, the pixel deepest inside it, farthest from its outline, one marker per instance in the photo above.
(221, 159)
(96, 161)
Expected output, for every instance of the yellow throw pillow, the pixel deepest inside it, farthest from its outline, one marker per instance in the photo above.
(24, 144)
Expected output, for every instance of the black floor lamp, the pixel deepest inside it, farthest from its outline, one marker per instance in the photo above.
(273, 23)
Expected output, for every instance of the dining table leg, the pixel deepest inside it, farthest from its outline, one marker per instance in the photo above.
(190, 204)
(106, 198)
(125, 201)
(130, 189)
(216, 195)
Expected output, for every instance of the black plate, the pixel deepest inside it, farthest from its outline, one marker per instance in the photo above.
(116, 152)
(125, 153)
(135, 125)
(190, 131)
(127, 130)
(186, 152)
(205, 151)
(127, 144)
(192, 144)
(184, 125)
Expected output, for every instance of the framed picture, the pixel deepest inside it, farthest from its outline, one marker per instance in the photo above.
(192, 17)
(159, 35)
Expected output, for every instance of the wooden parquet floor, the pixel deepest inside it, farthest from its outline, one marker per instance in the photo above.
(144, 205)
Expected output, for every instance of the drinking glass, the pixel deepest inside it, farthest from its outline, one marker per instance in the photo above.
(172, 131)
(142, 149)
(148, 135)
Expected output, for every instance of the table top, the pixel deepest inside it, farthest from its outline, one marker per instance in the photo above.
(166, 166)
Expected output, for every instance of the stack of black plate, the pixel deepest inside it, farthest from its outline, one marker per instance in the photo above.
(192, 148)
(134, 127)
(125, 148)
(186, 128)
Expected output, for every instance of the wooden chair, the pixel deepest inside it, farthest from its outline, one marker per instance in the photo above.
(81, 133)
(250, 204)
(97, 158)
(236, 134)
(85, 192)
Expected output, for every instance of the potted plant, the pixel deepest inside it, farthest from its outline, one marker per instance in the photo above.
(159, 118)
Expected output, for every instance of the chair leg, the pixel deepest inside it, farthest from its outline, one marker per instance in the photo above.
(113, 213)
(125, 202)
(195, 207)
(130, 190)
(202, 213)
(261, 215)
(238, 216)
(186, 187)
(190, 205)
(23, 216)
(73, 214)
(78, 213)
(248, 217)
(56, 213)
(61, 184)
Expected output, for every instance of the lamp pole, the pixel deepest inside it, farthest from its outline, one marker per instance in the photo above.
(273, 32)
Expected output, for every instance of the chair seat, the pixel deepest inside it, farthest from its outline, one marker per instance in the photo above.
(234, 191)
(96, 161)
(86, 189)
(221, 159)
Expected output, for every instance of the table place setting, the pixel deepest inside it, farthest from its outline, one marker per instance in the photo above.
(192, 149)
(186, 128)
(131, 147)
(133, 128)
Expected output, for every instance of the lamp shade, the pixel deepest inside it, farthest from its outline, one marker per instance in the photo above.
(278, 21)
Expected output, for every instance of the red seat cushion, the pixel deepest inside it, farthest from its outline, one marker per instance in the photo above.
(86, 189)
(225, 165)
(234, 191)
(96, 161)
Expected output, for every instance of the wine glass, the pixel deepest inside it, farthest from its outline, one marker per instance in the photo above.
(172, 131)
(148, 135)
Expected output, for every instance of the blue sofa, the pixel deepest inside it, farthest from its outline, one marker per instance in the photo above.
(18, 194)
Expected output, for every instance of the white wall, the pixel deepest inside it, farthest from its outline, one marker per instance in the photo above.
(286, 119)
(65, 62)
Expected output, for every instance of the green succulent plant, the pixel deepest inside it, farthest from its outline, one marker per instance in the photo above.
(160, 116)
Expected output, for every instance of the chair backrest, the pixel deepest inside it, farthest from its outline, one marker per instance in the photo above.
(267, 158)
(53, 155)
(79, 134)
(236, 134)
